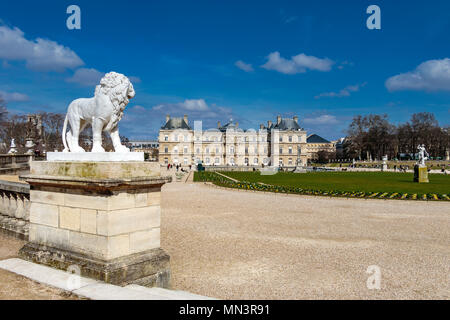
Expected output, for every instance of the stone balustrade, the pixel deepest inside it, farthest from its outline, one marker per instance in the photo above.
(14, 163)
(15, 208)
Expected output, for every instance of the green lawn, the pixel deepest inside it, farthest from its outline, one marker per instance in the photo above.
(350, 181)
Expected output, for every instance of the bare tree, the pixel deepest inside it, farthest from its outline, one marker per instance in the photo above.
(3, 110)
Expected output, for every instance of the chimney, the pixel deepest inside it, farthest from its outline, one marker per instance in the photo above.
(278, 119)
(237, 124)
(261, 126)
(218, 124)
(186, 119)
(167, 118)
(296, 119)
(269, 124)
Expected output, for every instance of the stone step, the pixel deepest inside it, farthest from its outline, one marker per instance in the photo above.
(90, 288)
(169, 294)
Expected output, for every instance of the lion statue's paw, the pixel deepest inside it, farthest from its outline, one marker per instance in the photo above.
(78, 149)
(98, 149)
(122, 149)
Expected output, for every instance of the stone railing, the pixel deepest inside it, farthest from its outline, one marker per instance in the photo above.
(15, 208)
(13, 163)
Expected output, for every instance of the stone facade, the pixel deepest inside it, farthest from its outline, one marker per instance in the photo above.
(280, 143)
(316, 143)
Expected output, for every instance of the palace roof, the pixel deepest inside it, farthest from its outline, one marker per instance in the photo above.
(176, 123)
(286, 124)
(314, 138)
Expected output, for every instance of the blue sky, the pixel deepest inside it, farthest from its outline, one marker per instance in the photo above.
(249, 60)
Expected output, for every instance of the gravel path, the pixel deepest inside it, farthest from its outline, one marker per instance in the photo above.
(243, 245)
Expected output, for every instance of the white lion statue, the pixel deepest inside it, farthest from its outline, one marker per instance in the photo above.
(103, 112)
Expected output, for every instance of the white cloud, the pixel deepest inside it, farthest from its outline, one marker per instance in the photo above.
(138, 108)
(86, 77)
(297, 64)
(187, 105)
(13, 96)
(431, 75)
(244, 66)
(346, 92)
(325, 119)
(39, 55)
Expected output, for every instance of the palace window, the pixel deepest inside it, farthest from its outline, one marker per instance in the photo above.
(290, 150)
(217, 161)
(166, 149)
(281, 150)
(185, 150)
(290, 138)
(290, 161)
(185, 161)
(166, 138)
(255, 161)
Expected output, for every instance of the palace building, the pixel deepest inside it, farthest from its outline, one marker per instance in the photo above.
(282, 143)
(316, 143)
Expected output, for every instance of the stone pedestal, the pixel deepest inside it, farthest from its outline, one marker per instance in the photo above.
(103, 218)
(421, 174)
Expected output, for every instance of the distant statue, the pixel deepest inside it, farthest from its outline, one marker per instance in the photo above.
(103, 112)
(423, 155)
(12, 149)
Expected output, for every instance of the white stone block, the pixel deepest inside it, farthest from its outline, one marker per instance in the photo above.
(47, 197)
(117, 222)
(144, 240)
(140, 199)
(95, 156)
(69, 218)
(154, 198)
(90, 244)
(45, 214)
(88, 221)
(118, 246)
(121, 200)
(86, 201)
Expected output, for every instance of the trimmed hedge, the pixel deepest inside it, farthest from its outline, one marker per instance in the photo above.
(224, 182)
